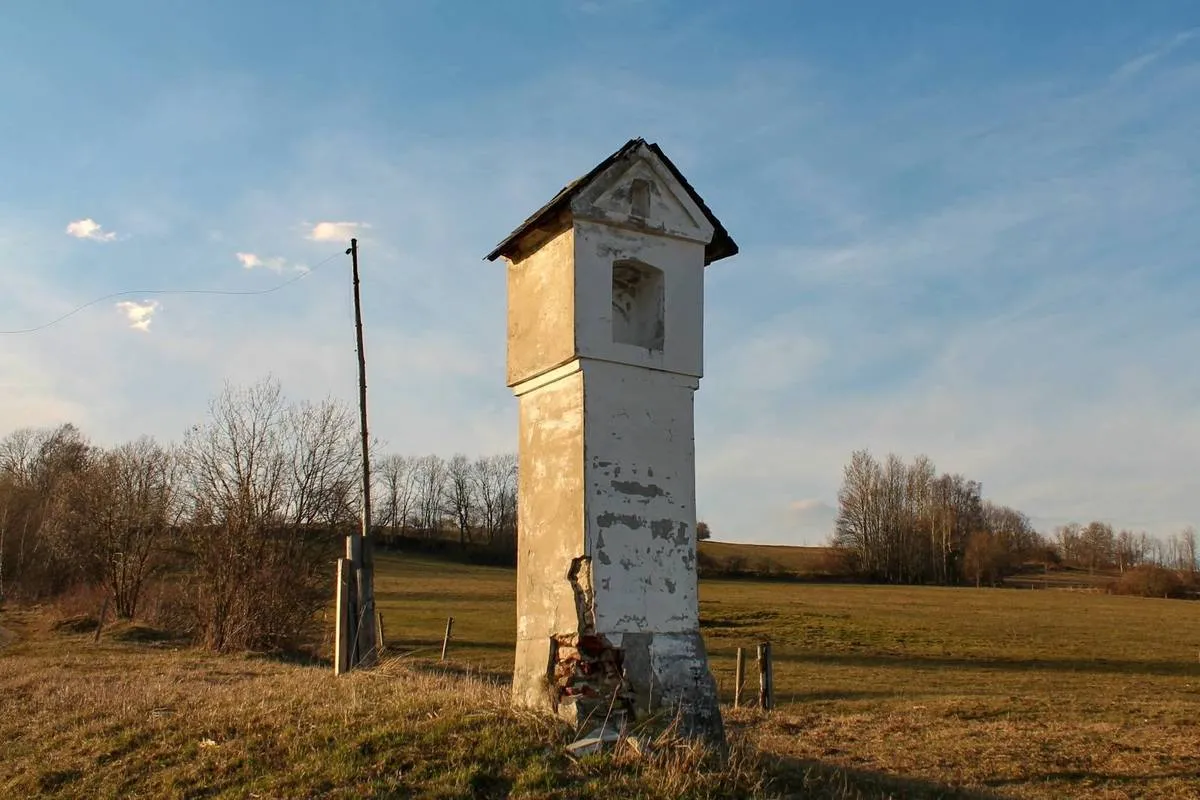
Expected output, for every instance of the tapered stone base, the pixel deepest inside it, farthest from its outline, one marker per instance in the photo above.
(588, 678)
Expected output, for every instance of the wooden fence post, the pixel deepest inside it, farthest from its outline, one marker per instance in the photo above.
(766, 683)
(100, 619)
(343, 641)
(446, 640)
(739, 677)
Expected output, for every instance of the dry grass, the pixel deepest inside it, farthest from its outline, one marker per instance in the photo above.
(124, 718)
(1005, 692)
(882, 691)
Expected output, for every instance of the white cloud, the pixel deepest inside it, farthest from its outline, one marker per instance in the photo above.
(275, 264)
(335, 231)
(88, 228)
(140, 315)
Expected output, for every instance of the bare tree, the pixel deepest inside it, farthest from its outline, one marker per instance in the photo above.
(1187, 540)
(491, 477)
(506, 473)
(460, 496)
(397, 477)
(901, 523)
(1127, 550)
(1069, 540)
(123, 507)
(858, 526)
(37, 467)
(431, 494)
(1096, 542)
(18, 454)
(266, 482)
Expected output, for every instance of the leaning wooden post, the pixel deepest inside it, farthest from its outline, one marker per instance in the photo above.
(379, 640)
(343, 638)
(100, 620)
(446, 638)
(739, 677)
(766, 688)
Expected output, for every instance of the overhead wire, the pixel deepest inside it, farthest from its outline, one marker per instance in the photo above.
(127, 292)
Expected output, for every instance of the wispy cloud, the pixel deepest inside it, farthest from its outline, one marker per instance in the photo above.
(1135, 65)
(335, 231)
(139, 315)
(88, 228)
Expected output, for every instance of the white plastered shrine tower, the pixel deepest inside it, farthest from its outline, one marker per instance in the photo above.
(605, 351)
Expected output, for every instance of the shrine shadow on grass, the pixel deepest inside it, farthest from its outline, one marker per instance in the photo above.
(819, 779)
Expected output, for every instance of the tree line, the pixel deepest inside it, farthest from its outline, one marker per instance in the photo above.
(425, 497)
(901, 522)
(239, 521)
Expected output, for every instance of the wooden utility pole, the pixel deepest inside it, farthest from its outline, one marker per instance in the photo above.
(360, 628)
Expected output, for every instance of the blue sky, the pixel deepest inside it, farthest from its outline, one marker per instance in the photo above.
(967, 230)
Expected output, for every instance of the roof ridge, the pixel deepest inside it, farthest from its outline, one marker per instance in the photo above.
(721, 246)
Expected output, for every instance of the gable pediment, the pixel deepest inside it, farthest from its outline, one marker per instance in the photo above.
(640, 192)
(636, 187)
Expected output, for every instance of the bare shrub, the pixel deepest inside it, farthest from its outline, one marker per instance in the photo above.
(115, 512)
(83, 601)
(1149, 580)
(166, 606)
(270, 484)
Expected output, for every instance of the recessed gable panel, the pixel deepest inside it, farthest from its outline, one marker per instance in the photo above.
(641, 193)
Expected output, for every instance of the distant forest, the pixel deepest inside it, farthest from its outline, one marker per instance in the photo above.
(904, 523)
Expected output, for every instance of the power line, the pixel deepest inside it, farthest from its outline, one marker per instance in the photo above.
(223, 292)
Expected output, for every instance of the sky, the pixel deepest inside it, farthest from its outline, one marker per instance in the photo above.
(967, 230)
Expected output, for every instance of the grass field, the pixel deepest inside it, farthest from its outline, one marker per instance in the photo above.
(1035, 693)
(882, 691)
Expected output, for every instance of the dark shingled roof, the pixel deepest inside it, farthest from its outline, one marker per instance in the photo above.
(721, 246)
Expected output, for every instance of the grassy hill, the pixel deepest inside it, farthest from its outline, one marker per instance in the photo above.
(882, 691)
(811, 563)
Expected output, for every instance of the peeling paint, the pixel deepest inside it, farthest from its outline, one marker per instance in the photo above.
(640, 489)
(609, 519)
